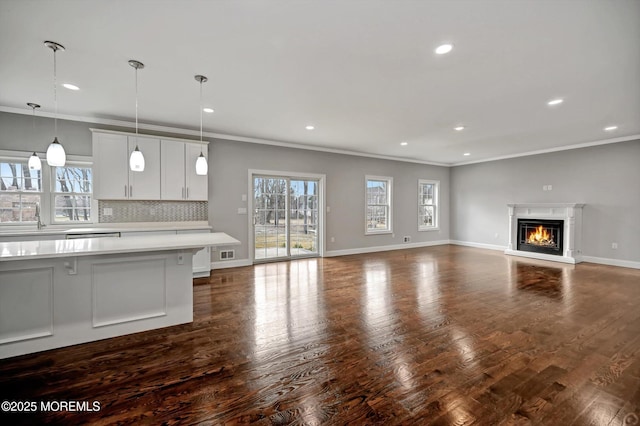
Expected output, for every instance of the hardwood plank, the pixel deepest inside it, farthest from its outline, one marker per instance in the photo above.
(438, 335)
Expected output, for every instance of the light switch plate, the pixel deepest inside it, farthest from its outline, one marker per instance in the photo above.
(242, 210)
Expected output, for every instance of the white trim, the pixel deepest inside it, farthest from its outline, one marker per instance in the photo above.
(612, 262)
(166, 138)
(176, 130)
(322, 210)
(478, 245)
(231, 264)
(436, 204)
(363, 250)
(542, 256)
(389, 180)
(548, 150)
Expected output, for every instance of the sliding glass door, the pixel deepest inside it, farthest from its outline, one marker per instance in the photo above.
(286, 221)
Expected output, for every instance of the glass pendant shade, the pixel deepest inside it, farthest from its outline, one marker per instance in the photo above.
(56, 156)
(201, 165)
(34, 162)
(136, 161)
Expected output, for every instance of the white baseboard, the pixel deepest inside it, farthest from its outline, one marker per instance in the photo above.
(478, 245)
(591, 259)
(362, 250)
(612, 262)
(231, 264)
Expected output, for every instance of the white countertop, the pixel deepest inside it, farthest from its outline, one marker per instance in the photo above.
(29, 250)
(10, 231)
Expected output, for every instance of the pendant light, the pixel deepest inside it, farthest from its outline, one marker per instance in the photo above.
(201, 163)
(34, 161)
(55, 153)
(136, 161)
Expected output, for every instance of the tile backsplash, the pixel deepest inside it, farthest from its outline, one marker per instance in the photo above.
(152, 211)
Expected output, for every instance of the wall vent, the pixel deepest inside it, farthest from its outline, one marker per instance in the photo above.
(227, 254)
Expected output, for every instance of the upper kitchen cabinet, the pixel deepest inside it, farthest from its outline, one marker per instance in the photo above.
(113, 180)
(178, 171)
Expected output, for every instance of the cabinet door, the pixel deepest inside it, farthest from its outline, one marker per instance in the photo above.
(172, 170)
(145, 185)
(197, 186)
(110, 167)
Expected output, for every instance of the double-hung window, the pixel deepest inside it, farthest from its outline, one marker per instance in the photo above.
(64, 194)
(379, 213)
(72, 190)
(428, 204)
(20, 190)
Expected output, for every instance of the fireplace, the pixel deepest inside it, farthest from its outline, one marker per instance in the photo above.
(562, 222)
(540, 236)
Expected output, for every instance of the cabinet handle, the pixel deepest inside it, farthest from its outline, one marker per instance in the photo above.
(130, 190)
(125, 190)
(187, 192)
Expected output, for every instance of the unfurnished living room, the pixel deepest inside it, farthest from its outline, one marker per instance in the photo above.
(315, 212)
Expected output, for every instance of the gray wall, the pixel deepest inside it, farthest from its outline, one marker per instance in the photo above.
(606, 178)
(230, 161)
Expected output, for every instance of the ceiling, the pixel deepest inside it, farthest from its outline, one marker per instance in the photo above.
(363, 72)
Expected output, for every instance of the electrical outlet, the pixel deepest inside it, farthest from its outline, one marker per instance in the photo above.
(406, 239)
(496, 235)
(549, 187)
(244, 197)
(545, 187)
(107, 211)
(614, 246)
(333, 239)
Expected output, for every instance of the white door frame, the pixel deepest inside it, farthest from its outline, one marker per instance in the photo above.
(290, 175)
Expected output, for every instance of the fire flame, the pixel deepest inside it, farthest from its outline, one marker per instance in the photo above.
(540, 236)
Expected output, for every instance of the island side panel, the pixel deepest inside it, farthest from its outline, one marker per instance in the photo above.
(52, 303)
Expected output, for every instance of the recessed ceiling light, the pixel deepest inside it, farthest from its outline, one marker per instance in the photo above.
(555, 102)
(459, 128)
(209, 110)
(310, 127)
(466, 154)
(610, 128)
(445, 48)
(70, 86)
(404, 143)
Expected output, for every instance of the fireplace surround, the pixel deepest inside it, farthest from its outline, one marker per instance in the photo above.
(560, 237)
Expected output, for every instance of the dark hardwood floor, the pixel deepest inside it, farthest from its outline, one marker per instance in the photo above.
(443, 335)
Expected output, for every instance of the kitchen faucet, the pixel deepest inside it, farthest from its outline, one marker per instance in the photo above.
(39, 224)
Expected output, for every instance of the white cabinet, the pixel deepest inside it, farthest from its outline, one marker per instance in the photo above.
(113, 180)
(197, 186)
(178, 171)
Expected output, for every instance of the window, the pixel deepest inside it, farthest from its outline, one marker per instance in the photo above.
(379, 201)
(427, 204)
(65, 194)
(20, 190)
(72, 194)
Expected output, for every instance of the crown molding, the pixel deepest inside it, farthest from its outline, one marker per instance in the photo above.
(555, 149)
(213, 135)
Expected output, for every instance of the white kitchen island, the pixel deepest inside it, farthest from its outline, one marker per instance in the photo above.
(57, 293)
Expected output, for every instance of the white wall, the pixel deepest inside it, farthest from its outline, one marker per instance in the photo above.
(605, 177)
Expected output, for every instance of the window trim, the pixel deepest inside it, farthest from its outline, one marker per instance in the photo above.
(47, 195)
(14, 157)
(436, 204)
(93, 217)
(389, 180)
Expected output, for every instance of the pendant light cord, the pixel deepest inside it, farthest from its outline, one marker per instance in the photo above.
(136, 103)
(55, 93)
(200, 116)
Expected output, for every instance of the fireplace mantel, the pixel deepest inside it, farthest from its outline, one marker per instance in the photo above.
(570, 213)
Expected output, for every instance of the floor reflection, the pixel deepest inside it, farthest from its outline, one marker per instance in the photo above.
(542, 280)
(286, 304)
